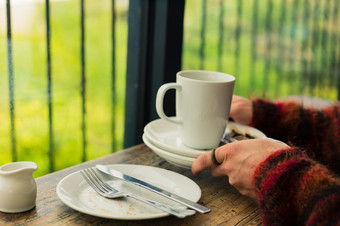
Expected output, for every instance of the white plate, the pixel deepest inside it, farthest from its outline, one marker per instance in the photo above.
(77, 194)
(165, 135)
(178, 160)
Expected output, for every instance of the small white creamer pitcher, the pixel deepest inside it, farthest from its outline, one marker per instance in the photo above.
(18, 190)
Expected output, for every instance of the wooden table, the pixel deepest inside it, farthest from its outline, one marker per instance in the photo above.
(228, 206)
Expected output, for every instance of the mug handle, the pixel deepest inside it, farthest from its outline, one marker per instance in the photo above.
(160, 98)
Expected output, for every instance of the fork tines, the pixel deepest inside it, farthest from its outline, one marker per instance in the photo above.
(93, 179)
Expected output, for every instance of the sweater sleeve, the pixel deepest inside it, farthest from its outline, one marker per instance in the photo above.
(317, 131)
(293, 189)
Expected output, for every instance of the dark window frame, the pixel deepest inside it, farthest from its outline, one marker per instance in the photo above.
(155, 38)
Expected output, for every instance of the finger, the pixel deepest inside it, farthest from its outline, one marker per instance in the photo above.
(221, 157)
(218, 157)
(201, 163)
(204, 161)
(213, 158)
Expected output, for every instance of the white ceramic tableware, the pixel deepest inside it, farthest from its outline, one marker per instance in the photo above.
(18, 190)
(75, 192)
(178, 160)
(203, 101)
(165, 136)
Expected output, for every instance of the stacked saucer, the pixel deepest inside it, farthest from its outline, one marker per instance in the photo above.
(163, 138)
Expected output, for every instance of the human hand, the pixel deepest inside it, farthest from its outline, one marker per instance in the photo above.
(241, 110)
(239, 161)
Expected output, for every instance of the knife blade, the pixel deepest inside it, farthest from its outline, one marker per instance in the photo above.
(167, 194)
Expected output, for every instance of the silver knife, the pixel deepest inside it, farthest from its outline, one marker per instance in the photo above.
(155, 189)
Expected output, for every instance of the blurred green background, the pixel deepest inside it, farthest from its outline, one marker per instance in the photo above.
(30, 81)
(271, 47)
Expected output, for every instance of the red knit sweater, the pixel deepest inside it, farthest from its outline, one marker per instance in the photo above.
(299, 185)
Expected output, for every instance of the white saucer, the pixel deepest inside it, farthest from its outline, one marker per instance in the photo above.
(165, 135)
(178, 160)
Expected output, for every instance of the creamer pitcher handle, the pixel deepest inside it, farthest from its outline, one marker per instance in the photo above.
(160, 98)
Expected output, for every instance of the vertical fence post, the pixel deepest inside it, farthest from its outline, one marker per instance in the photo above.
(335, 42)
(220, 36)
(237, 38)
(324, 46)
(315, 38)
(49, 87)
(304, 83)
(292, 38)
(113, 77)
(203, 28)
(11, 80)
(83, 79)
(253, 46)
(269, 18)
(318, 48)
(281, 45)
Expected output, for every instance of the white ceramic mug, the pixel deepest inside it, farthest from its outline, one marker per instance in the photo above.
(203, 100)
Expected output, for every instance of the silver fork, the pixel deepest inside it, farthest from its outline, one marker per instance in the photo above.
(105, 190)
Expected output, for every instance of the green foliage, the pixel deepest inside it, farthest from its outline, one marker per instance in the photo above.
(30, 83)
(283, 48)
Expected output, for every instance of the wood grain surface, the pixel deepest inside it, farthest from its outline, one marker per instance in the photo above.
(228, 206)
